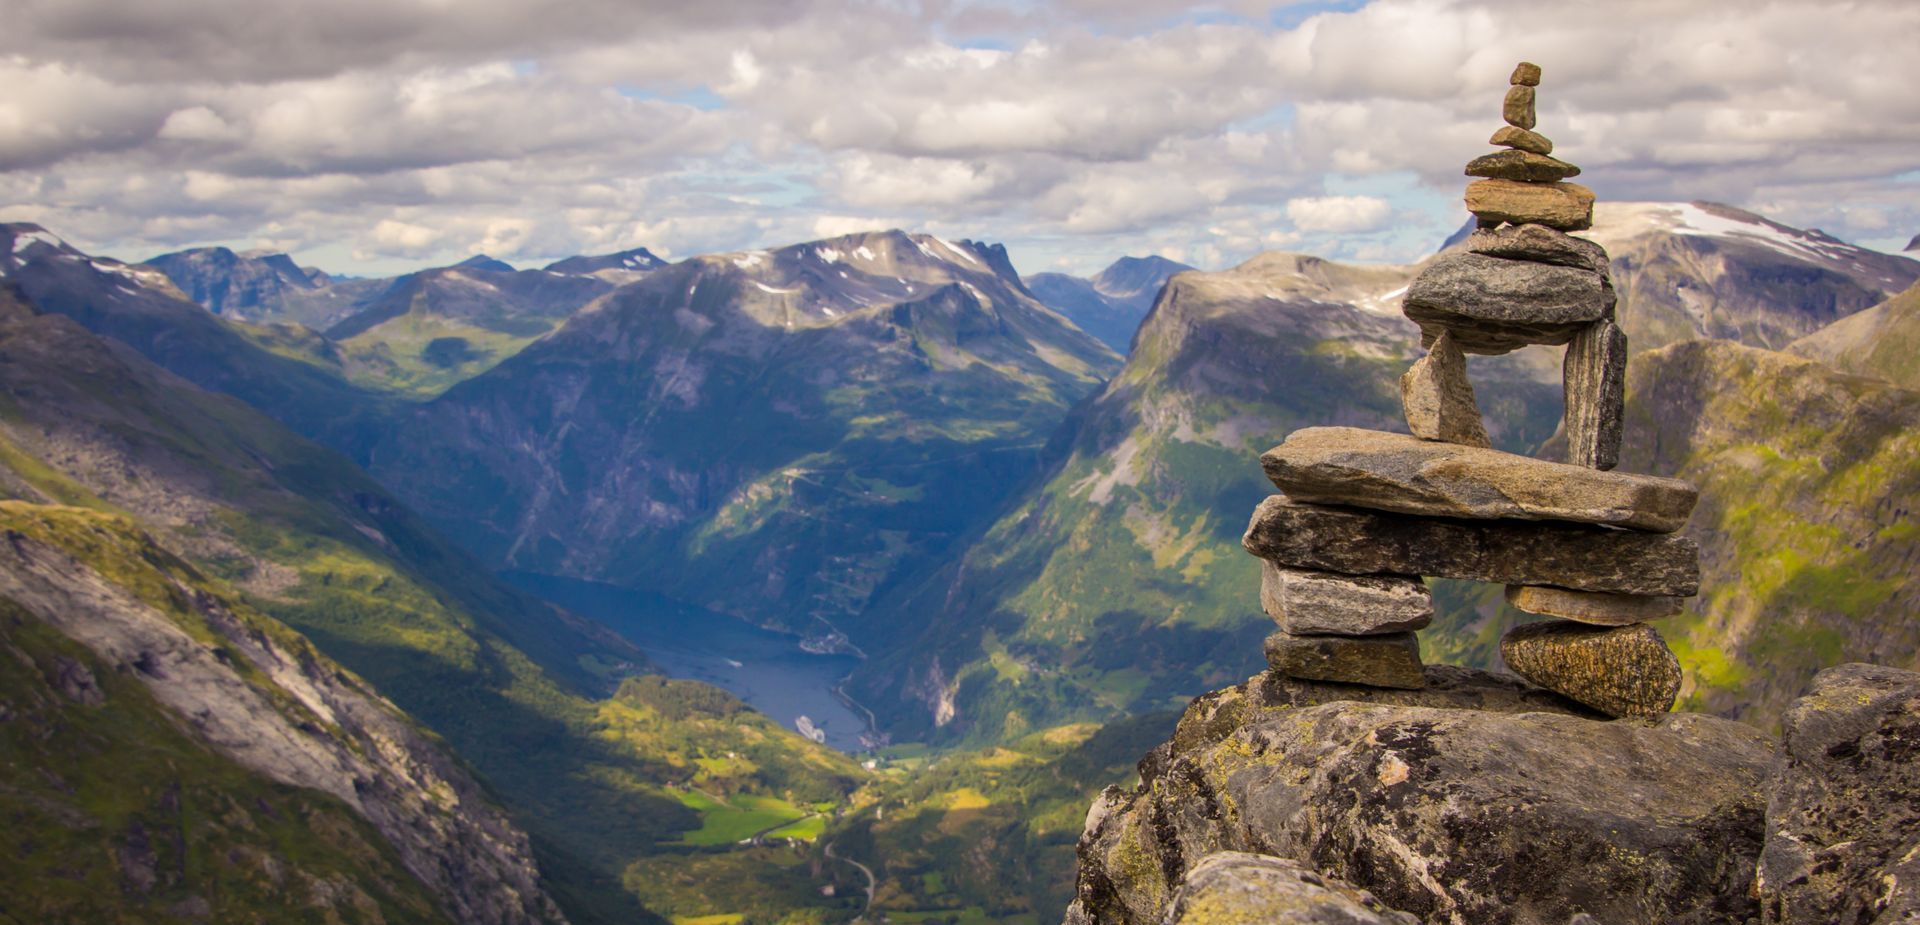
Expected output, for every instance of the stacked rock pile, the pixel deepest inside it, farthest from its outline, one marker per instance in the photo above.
(1367, 514)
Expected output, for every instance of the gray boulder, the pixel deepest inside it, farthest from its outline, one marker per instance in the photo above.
(1843, 827)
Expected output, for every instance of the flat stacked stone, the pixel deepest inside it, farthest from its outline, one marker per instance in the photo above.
(1408, 475)
(1310, 602)
(1366, 514)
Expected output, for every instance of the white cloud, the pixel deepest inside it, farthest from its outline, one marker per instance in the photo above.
(392, 237)
(1085, 127)
(1339, 213)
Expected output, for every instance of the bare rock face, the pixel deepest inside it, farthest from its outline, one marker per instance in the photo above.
(1540, 244)
(1589, 607)
(1237, 887)
(1620, 671)
(1595, 376)
(1438, 399)
(1495, 306)
(1359, 542)
(1395, 472)
(1392, 660)
(1566, 206)
(1307, 601)
(1843, 828)
(1473, 802)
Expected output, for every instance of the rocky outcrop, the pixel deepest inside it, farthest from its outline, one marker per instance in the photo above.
(1481, 800)
(1843, 827)
(1476, 800)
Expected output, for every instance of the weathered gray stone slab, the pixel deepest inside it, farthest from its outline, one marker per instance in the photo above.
(1306, 601)
(1494, 305)
(1377, 661)
(1438, 398)
(1525, 74)
(1843, 826)
(1237, 888)
(1361, 542)
(1620, 671)
(1515, 164)
(1517, 109)
(1397, 472)
(1540, 244)
(1513, 136)
(1595, 377)
(1590, 607)
(1566, 206)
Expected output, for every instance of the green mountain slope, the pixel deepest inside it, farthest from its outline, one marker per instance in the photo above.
(169, 754)
(428, 330)
(774, 434)
(1883, 341)
(513, 685)
(1119, 585)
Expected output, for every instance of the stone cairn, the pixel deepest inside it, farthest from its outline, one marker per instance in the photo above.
(1365, 514)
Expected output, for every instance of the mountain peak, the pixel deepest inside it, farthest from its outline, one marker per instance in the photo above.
(638, 260)
(1132, 275)
(484, 262)
(1913, 245)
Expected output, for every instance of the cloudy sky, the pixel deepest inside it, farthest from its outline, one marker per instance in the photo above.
(378, 135)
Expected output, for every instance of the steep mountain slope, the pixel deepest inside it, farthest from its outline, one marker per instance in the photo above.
(428, 330)
(1883, 341)
(260, 287)
(1119, 585)
(140, 307)
(1808, 478)
(302, 535)
(773, 434)
(1111, 305)
(1694, 270)
(173, 755)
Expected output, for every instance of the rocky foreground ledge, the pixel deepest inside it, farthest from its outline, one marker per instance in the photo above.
(1479, 800)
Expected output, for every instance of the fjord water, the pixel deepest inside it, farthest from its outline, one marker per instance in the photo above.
(768, 670)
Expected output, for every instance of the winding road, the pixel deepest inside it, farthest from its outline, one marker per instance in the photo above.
(871, 882)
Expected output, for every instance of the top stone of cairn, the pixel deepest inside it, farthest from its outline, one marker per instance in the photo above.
(1525, 184)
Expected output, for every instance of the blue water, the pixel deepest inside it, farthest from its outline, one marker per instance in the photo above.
(766, 669)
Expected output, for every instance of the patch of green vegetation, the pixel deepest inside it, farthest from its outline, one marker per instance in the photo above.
(988, 834)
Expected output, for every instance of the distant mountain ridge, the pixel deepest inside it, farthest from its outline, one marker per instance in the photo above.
(1111, 305)
(818, 416)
